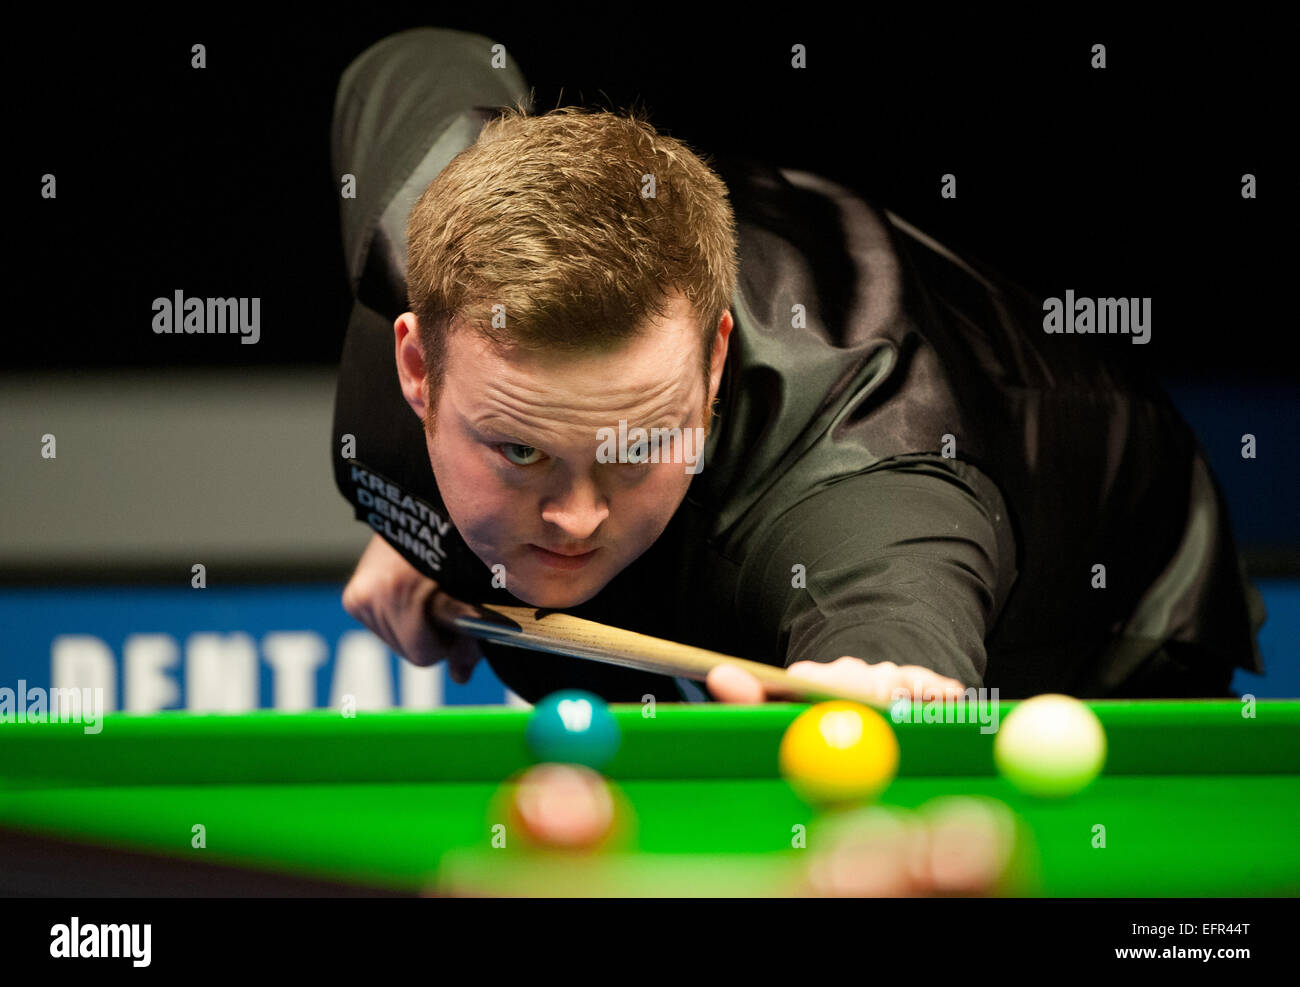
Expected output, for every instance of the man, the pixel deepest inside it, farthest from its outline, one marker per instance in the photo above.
(905, 486)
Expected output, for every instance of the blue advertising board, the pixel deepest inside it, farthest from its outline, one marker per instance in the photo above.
(294, 648)
(217, 650)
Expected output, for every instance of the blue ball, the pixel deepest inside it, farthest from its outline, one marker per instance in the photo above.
(573, 727)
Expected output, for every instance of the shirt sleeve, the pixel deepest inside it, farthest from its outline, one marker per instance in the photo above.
(910, 563)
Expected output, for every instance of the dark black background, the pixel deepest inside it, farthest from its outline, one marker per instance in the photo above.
(1122, 182)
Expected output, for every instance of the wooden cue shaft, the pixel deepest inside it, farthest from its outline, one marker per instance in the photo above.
(565, 634)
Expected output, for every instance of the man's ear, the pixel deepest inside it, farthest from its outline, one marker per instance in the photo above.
(718, 359)
(410, 363)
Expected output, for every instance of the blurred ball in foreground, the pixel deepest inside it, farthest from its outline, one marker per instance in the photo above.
(873, 852)
(563, 806)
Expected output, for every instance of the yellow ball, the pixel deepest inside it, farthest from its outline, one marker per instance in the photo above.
(838, 752)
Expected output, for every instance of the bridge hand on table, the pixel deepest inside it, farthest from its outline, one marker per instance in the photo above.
(884, 680)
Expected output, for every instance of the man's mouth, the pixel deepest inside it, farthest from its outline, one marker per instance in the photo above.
(566, 559)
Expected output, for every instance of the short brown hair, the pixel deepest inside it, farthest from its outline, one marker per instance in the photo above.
(545, 215)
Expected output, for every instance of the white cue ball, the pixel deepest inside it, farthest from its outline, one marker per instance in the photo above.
(1050, 746)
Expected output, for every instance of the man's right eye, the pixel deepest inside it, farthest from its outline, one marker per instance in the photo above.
(520, 455)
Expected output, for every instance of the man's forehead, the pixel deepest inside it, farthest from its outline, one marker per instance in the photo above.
(656, 367)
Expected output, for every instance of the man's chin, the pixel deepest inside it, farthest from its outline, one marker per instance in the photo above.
(551, 597)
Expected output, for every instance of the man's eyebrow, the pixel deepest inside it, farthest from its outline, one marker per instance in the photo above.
(492, 424)
(495, 424)
(662, 427)
(685, 419)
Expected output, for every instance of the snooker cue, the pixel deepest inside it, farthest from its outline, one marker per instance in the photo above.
(564, 634)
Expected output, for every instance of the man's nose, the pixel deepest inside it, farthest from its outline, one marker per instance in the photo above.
(578, 510)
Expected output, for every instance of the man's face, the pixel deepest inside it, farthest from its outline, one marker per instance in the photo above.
(515, 453)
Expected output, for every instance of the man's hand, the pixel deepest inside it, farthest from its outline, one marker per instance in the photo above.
(883, 680)
(408, 612)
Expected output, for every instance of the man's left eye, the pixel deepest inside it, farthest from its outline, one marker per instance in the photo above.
(520, 455)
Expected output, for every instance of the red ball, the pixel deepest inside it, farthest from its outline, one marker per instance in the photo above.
(563, 806)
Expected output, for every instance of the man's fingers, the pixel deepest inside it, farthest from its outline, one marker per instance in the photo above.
(408, 612)
(882, 681)
(462, 658)
(812, 671)
(443, 611)
(874, 682)
(732, 684)
(460, 651)
(923, 682)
